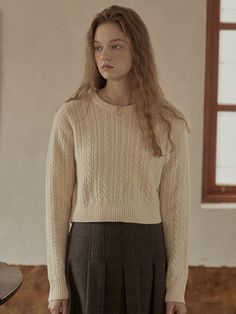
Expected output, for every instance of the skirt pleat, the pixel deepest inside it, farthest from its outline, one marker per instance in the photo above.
(116, 268)
(96, 273)
(158, 295)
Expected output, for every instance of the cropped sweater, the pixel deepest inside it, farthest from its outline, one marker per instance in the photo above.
(97, 169)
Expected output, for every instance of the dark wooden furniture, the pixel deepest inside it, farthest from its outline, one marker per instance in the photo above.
(11, 279)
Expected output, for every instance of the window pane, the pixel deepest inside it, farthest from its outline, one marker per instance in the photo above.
(228, 11)
(226, 148)
(227, 67)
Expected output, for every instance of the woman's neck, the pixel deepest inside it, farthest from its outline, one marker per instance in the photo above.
(115, 96)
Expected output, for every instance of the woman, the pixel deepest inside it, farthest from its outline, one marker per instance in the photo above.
(118, 170)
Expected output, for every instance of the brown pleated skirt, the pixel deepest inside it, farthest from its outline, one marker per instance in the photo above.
(116, 268)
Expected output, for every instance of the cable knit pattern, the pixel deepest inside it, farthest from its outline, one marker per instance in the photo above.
(97, 169)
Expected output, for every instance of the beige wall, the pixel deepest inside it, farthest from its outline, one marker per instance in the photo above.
(41, 62)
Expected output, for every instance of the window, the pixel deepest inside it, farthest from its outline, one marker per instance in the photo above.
(219, 150)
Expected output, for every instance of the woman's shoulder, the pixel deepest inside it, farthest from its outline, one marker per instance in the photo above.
(72, 109)
(175, 126)
(175, 118)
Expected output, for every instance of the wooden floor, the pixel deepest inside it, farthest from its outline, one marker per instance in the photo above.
(209, 290)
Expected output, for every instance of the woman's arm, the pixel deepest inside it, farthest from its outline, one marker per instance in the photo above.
(60, 180)
(175, 211)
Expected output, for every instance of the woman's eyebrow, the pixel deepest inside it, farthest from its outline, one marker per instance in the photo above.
(96, 41)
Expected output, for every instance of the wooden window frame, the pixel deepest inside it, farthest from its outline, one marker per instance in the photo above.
(212, 193)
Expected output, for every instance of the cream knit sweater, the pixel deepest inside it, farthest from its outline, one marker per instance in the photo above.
(97, 169)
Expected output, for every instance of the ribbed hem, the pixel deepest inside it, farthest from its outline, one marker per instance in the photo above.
(128, 212)
(58, 289)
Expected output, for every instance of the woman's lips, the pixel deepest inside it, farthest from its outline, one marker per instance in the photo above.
(107, 67)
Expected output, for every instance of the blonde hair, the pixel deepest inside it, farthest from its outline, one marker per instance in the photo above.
(150, 101)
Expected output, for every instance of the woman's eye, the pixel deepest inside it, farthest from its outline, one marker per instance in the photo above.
(113, 46)
(116, 46)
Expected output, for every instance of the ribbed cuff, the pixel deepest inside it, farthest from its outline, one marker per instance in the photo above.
(58, 289)
(175, 294)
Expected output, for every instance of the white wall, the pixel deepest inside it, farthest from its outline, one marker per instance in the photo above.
(41, 62)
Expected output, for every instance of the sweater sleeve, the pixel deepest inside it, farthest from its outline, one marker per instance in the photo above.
(60, 180)
(175, 211)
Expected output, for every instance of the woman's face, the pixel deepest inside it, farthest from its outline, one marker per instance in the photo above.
(112, 47)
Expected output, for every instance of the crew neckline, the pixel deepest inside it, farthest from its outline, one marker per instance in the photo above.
(108, 106)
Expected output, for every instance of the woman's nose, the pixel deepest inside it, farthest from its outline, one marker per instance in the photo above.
(106, 54)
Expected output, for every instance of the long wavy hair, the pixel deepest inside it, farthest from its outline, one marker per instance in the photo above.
(150, 101)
